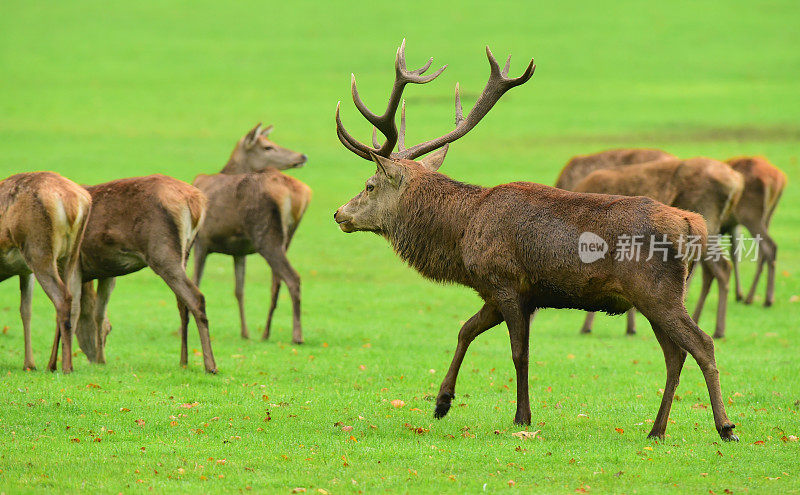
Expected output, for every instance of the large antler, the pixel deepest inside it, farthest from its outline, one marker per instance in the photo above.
(386, 122)
(498, 84)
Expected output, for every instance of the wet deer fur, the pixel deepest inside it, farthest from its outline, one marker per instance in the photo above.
(42, 219)
(516, 245)
(255, 208)
(135, 223)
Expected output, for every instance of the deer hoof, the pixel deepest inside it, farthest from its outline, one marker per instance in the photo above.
(767, 304)
(441, 410)
(298, 341)
(211, 371)
(726, 433)
(718, 335)
(655, 436)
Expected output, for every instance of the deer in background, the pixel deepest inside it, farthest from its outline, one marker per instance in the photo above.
(254, 208)
(516, 244)
(701, 185)
(763, 186)
(42, 219)
(138, 222)
(582, 165)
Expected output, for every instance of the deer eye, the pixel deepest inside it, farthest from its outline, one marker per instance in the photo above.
(269, 148)
(370, 187)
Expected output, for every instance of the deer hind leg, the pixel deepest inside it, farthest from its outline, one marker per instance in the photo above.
(26, 295)
(588, 322)
(674, 323)
(273, 303)
(483, 320)
(56, 290)
(630, 326)
(674, 357)
(708, 278)
(735, 248)
(519, 333)
(721, 270)
(276, 257)
(190, 296)
(239, 273)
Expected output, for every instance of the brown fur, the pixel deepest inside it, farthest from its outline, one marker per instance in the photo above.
(138, 222)
(582, 165)
(254, 208)
(42, 219)
(763, 185)
(701, 185)
(517, 246)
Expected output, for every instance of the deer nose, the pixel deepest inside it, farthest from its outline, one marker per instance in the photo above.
(304, 157)
(335, 213)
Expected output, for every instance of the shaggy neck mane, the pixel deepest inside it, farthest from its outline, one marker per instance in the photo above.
(429, 226)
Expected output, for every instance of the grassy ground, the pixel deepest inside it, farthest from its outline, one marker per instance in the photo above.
(98, 91)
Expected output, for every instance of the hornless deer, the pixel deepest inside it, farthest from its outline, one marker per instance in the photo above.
(254, 208)
(763, 186)
(42, 219)
(701, 185)
(138, 222)
(517, 245)
(582, 165)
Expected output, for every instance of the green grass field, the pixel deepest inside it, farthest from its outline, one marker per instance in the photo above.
(98, 90)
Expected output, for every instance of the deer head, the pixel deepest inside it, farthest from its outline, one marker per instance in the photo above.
(374, 207)
(255, 152)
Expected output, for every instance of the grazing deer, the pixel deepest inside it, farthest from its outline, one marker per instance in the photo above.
(701, 185)
(138, 222)
(517, 245)
(763, 186)
(42, 219)
(582, 165)
(254, 208)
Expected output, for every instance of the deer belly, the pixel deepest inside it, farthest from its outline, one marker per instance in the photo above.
(237, 245)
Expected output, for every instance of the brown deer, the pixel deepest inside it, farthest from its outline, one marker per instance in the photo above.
(138, 222)
(763, 186)
(42, 219)
(702, 185)
(254, 208)
(517, 245)
(582, 165)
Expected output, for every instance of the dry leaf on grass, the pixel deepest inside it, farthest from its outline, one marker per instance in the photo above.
(526, 434)
(398, 403)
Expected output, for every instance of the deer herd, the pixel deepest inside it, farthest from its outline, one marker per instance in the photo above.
(515, 244)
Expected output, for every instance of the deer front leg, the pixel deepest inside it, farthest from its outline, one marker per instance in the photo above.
(587, 323)
(273, 303)
(488, 317)
(239, 272)
(104, 288)
(519, 333)
(26, 294)
(630, 328)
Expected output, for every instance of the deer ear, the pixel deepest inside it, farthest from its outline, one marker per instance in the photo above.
(388, 167)
(252, 136)
(435, 159)
(267, 130)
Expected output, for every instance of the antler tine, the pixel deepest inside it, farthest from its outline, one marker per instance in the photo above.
(401, 137)
(349, 141)
(496, 87)
(385, 123)
(459, 108)
(375, 143)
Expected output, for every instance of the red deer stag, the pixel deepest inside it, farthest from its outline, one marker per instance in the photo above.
(517, 245)
(254, 208)
(763, 186)
(42, 218)
(138, 222)
(700, 185)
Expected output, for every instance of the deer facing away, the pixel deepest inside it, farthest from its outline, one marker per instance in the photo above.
(517, 245)
(42, 219)
(138, 222)
(763, 186)
(254, 208)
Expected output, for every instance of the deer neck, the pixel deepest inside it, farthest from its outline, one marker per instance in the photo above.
(236, 163)
(427, 232)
